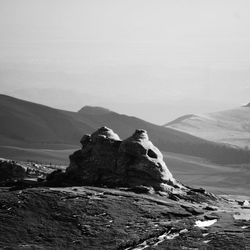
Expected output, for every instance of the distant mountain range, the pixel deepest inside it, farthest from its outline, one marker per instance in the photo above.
(230, 126)
(29, 125)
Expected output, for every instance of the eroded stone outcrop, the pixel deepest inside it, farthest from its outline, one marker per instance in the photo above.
(96, 162)
(10, 170)
(107, 160)
(142, 163)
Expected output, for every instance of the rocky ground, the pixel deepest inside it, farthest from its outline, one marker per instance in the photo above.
(137, 205)
(102, 218)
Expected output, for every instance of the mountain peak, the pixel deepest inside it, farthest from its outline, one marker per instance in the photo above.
(247, 106)
(180, 119)
(94, 110)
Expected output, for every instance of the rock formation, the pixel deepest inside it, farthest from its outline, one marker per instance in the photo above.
(142, 163)
(107, 160)
(96, 162)
(10, 170)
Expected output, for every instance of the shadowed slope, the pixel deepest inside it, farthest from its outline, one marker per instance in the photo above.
(24, 123)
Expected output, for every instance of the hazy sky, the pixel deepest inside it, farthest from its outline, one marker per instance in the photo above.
(156, 59)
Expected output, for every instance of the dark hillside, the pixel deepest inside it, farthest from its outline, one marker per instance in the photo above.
(24, 123)
(29, 125)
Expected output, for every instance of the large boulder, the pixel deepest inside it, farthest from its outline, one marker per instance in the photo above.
(140, 162)
(10, 170)
(107, 160)
(96, 162)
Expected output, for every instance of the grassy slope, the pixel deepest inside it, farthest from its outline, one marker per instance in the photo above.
(230, 126)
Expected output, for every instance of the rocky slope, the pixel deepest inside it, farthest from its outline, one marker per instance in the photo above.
(101, 218)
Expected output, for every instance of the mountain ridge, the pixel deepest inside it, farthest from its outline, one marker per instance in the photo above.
(43, 126)
(228, 126)
(179, 119)
(94, 110)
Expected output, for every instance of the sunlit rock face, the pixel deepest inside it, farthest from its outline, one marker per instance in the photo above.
(106, 160)
(142, 163)
(95, 163)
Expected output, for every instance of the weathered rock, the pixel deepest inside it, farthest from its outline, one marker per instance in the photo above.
(95, 163)
(142, 163)
(106, 133)
(106, 160)
(10, 170)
